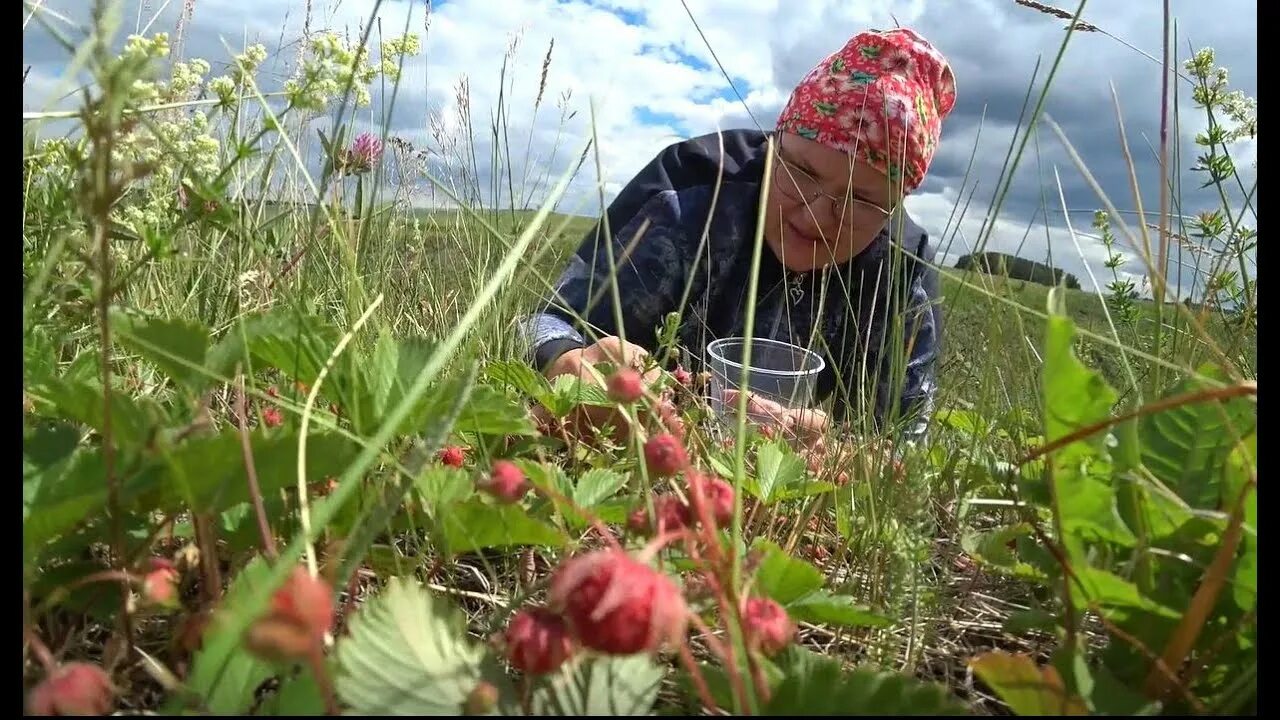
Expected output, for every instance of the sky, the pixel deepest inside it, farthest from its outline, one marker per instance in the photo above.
(645, 75)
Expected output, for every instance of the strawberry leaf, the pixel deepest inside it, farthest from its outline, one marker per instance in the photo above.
(409, 654)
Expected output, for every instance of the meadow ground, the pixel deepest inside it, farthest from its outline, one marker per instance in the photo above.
(264, 445)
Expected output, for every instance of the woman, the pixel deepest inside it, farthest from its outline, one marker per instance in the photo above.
(845, 271)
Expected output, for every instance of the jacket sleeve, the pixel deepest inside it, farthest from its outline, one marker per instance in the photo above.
(649, 230)
(649, 256)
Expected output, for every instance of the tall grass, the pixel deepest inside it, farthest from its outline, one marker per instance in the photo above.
(164, 204)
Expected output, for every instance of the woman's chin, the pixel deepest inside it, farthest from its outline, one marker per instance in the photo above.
(798, 253)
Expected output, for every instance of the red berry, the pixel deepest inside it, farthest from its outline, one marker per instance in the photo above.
(537, 641)
(272, 416)
(159, 586)
(682, 376)
(664, 455)
(718, 494)
(671, 511)
(452, 455)
(305, 600)
(73, 689)
(506, 482)
(767, 626)
(626, 385)
(616, 604)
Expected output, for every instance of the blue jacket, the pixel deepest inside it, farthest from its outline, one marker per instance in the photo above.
(670, 201)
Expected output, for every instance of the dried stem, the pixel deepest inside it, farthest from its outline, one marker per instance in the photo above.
(255, 491)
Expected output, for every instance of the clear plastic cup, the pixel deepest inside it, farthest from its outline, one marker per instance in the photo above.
(780, 372)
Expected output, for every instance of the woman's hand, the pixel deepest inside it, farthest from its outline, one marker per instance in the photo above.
(581, 363)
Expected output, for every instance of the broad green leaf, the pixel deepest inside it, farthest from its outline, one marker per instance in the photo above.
(408, 653)
(777, 468)
(172, 345)
(784, 578)
(821, 607)
(441, 485)
(1186, 446)
(207, 474)
(61, 496)
(1111, 591)
(231, 691)
(474, 525)
(597, 485)
(803, 490)
(1024, 621)
(992, 548)
(601, 686)
(296, 345)
(524, 379)
(822, 688)
(1240, 468)
(1025, 687)
(1076, 397)
(489, 412)
(133, 418)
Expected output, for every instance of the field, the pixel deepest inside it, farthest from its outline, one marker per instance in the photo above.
(286, 457)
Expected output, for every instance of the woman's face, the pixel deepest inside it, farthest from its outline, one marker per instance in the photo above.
(823, 209)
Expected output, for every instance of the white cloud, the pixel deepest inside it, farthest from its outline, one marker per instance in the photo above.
(653, 81)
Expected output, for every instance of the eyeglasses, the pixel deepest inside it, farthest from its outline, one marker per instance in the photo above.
(800, 185)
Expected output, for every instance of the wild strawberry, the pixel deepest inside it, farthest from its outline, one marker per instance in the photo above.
(273, 392)
(452, 455)
(682, 376)
(664, 455)
(626, 385)
(766, 625)
(617, 604)
(482, 698)
(278, 639)
(671, 511)
(301, 613)
(159, 586)
(717, 493)
(506, 482)
(73, 689)
(537, 641)
(272, 417)
(305, 600)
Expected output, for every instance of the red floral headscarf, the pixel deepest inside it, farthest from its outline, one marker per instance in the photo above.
(883, 97)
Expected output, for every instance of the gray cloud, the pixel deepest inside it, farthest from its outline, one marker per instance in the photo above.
(992, 44)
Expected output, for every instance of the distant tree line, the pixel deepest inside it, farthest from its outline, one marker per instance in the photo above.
(1017, 268)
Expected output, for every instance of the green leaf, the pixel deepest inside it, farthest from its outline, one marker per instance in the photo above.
(601, 686)
(474, 525)
(1111, 591)
(441, 485)
(172, 345)
(1076, 397)
(822, 688)
(489, 412)
(408, 653)
(207, 474)
(231, 691)
(296, 345)
(1024, 621)
(777, 467)
(524, 380)
(1240, 471)
(595, 486)
(1026, 688)
(784, 578)
(133, 418)
(1186, 446)
(821, 607)
(298, 696)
